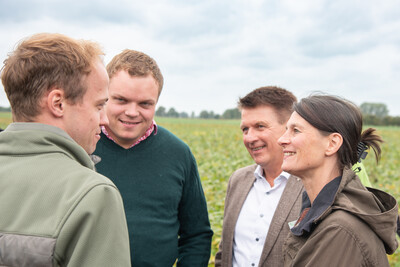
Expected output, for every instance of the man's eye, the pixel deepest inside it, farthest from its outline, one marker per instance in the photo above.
(101, 106)
(146, 104)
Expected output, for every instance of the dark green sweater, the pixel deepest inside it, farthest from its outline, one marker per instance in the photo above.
(164, 201)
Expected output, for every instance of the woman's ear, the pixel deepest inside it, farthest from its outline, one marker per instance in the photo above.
(55, 102)
(335, 142)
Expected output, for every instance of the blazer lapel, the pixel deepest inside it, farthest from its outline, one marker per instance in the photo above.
(286, 203)
(237, 195)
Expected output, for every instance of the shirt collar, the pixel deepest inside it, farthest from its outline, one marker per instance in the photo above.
(259, 173)
(149, 131)
(321, 203)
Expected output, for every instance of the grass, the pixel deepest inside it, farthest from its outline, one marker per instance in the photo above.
(218, 148)
(5, 119)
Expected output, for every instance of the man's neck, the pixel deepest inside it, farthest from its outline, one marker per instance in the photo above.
(108, 133)
(271, 174)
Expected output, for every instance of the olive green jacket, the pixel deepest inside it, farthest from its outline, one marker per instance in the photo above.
(55, 209)
(358, 228)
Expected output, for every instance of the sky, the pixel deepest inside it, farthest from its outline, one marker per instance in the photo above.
(212, 52)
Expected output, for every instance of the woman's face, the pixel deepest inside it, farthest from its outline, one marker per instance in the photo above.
(304, 147)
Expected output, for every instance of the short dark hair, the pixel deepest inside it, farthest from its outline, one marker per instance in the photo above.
(333, 114)
(280, 99)
(136, 64)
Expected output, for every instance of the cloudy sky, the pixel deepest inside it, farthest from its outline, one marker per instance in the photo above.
(213, 52)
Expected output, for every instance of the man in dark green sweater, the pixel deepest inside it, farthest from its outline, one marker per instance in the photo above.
(155, 172)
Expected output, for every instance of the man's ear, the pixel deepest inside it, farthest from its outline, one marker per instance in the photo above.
(335, 142)
(56, 102)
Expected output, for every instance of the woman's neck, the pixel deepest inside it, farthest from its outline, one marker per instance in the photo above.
(316, 179)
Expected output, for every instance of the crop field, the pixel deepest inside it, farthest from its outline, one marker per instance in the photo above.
(5, 119)
(218, 148)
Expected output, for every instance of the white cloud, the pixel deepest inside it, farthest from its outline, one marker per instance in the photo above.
(212, 52)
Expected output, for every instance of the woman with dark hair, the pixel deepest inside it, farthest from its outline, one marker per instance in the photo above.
(341, 222)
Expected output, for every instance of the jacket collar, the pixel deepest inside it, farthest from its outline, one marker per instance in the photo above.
(322, 202)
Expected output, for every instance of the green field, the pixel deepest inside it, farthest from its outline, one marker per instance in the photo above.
(218, 148)
(5, 119)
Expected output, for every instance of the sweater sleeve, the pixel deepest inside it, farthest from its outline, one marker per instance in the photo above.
(195, 232)
(95, 232)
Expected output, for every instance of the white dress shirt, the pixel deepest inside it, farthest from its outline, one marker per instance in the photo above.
(255, 218)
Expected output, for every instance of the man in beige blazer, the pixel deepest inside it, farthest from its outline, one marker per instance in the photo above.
(261, 199)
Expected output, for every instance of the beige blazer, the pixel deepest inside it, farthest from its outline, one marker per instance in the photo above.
(288, 210)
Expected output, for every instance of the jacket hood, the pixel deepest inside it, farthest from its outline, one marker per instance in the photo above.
(374, 207)
(17, 140)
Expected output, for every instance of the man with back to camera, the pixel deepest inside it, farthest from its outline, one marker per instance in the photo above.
(55, 209)
(155, 171)
(261, 199)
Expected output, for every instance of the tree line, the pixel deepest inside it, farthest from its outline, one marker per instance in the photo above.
(228, 114)
(373, 114)
(378, 114)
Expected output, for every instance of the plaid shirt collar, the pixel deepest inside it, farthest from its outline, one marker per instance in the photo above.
(153, 127)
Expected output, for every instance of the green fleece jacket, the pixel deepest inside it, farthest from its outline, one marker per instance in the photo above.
(55, 209)
(163, 197)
